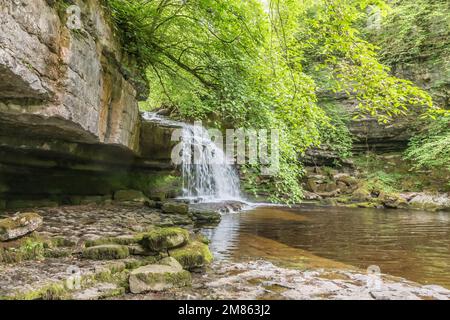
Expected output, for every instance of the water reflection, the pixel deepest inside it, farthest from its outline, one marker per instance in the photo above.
(411, 244)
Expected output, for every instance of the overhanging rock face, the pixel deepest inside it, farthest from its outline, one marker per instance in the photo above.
(69, 117)
(69, 82)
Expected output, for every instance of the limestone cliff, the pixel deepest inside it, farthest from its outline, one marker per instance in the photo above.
(69, 117)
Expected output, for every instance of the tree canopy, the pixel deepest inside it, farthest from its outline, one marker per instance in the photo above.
(263, 64)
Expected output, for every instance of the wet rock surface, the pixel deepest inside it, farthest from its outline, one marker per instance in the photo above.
(81, 223)
(88, 252)
(264, 280)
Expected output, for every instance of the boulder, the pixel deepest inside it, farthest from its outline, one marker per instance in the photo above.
(19, 225)
(432, 202)
(392, 201)
(106, 252)
(193, 256)
(361, 194)
(167, 274)
(345, 178)
(138, 250)
(175, 207)
(162, 239)
(205, 216)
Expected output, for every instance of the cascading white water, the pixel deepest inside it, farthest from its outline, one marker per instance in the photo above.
(207, 176)
(206, 173)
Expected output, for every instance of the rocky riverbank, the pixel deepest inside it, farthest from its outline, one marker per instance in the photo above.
(98, 251)
(138, 249)
(377, 181)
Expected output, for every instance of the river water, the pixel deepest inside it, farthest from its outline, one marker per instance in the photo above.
(414, 245)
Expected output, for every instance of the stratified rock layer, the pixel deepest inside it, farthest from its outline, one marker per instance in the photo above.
(70, 128)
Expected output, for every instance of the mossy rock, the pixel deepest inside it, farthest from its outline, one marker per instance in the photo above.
(393, 201)
(27, 248)
(361, 194)
(139, 250)
(124, 240)
(59, 242)
(106, 252)
(54, 291)
(167, 274)
(134, 263)
(132, 197)
(175, 207)
(161, 239)
(206, 217)
(193, 256)
(19, 225)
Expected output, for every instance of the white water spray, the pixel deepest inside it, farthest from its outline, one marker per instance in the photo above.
(207, 175)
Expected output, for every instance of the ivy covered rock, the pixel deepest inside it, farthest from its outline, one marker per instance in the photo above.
(193, 256)
(161, 239)
(106, 252)
(19, 225)
(167, 274)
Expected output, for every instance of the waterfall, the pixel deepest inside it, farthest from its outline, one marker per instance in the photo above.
(206, 173)
(207, 176)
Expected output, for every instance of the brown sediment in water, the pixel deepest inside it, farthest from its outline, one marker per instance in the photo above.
(253, 246)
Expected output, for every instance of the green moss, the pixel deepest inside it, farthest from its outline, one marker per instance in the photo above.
(177, 279)
(57, 253)
(62, 242)
(29, 249)
(131, 264)
(111, 240)
(194, 255)
(54, 291)
(106, 252)
(161, 239)
(175, 207)
(18, 221)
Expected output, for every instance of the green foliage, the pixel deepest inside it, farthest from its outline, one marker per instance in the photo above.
(415, 36)
(341, 61)
(431, 149)
(247, 64)
(335, 135)
(414, 29)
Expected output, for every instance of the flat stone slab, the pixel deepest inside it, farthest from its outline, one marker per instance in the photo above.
(99, 291)
(167, 274)
(79, 224)
(73, 228)
(264, 280)
(31, 276)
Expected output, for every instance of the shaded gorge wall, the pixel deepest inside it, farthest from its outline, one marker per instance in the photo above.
(70, 127)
